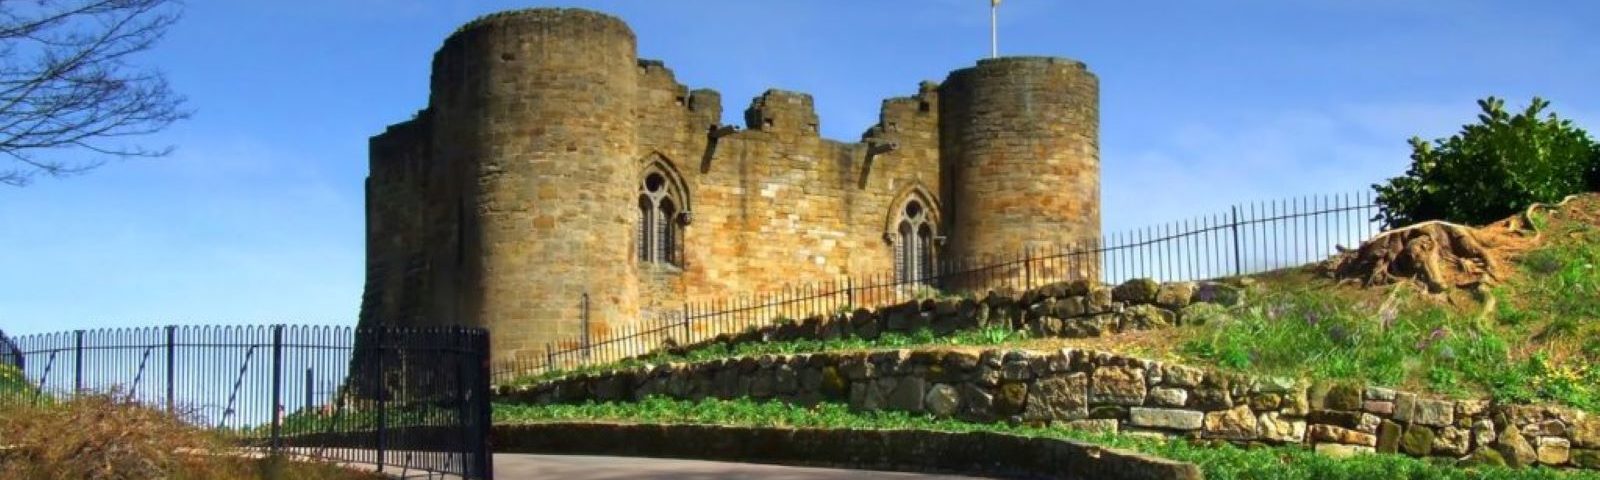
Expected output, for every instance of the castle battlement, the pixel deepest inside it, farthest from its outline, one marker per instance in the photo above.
(555, 176)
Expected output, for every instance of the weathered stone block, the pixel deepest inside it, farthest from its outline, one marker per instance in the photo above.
(1138, 290)
(1218, 293)
(1016, 371)
(1117, 385)
(1380, 394)
(1175, 295)
(1379, 407)
(1236, 424)
(1061, 397)
(1330, 433)
(1012, 398)
(907, 394)
(1437, 413)
(1272, 426)
(1146, 317)
(1404, 404)
(978, 403)
(1098, 300)
(1417, 441)
(942, 400)
(1553, 450)
(1389, 437)
(1483, 433)
(1516, 449)
(1586, 432)
(1210, 398)
(1262, 402)
(1168, 397)
(1452, 441)
(1167, 418)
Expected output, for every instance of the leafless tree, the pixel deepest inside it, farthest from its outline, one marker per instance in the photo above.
(70, 98)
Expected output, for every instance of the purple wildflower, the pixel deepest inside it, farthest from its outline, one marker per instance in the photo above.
(1312, 317)
(1437, 334)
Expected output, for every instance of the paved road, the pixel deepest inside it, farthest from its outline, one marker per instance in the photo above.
(564, 467)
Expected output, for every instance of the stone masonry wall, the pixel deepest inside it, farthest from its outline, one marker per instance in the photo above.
(1104, 391)
(513, 194)
(1076, 309)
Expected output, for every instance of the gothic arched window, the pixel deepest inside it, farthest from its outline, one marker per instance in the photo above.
(913, 244)
(660, 233)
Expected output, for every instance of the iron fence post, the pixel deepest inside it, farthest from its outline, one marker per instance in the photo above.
(382, 388)
(309, 386)
(77, 364)
(1238, 261)
(1027, 269)
(849, 292)
(277, 389)
(585, 317)
(485, 417)
(686, 329)
(172, 367)
(461, 350)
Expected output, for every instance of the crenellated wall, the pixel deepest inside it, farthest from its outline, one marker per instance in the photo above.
(515, 192)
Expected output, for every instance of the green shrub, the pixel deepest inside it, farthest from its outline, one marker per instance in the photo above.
(1492, 169)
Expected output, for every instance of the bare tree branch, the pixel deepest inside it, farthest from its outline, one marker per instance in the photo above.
(69, 96)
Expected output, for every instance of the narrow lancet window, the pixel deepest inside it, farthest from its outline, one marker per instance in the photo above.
(914, 244)
(660, 229)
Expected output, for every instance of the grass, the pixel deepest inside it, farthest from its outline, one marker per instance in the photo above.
(1537, 343)
(101, 436)
(1219, 461)
(1534, 338)
(891, 340)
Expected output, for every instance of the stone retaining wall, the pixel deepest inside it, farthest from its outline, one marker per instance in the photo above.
(1076, 309)
(1103, 391)
(984, 453)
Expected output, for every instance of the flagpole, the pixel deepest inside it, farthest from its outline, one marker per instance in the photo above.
(994, 28)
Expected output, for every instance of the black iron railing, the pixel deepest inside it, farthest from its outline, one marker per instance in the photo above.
(408, 399)
(1245, 239)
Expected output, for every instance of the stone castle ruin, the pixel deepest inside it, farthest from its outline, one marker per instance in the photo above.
(554, 174)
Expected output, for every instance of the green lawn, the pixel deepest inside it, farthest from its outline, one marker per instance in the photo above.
(1219, 461)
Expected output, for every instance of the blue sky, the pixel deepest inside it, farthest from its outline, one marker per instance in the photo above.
(257, 217)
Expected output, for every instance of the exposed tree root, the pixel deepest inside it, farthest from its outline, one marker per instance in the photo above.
(1439, 256)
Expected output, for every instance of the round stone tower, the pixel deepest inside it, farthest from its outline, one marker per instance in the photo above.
(1019, 141)
(535, 115)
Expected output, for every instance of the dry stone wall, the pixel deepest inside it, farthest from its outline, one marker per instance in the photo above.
(1076, 309)
(1103, 391)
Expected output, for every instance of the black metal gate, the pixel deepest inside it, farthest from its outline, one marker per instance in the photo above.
(401, 399)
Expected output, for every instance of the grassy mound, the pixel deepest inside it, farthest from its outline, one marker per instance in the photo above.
(1532, 337)
(1220, 461)
(104, 437)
